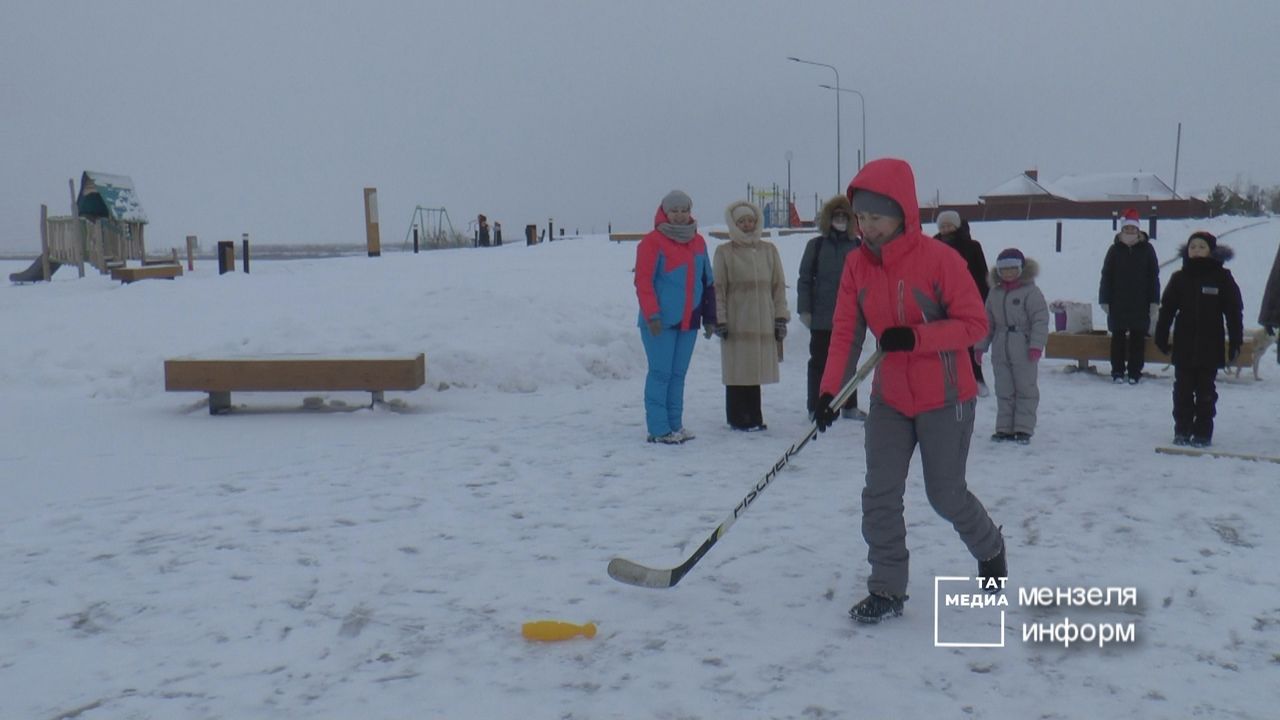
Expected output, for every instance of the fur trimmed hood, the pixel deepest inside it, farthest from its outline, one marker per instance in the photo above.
(1030, 271)
(736, 235)
(1221, 253)
(839, 203)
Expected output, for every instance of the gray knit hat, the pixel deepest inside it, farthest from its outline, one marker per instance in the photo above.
(677, 200)
(868, 201)
(950, 217)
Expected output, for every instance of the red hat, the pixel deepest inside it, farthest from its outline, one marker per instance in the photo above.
(1130, 217)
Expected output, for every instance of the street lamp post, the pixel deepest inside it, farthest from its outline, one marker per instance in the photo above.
(863, 102)
(839, 174)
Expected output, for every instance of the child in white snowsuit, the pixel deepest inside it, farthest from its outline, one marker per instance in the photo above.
(1018, 322)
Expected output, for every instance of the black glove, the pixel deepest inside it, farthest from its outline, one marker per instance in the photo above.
(779, 329)
(1271, 330)
(1233, 352)
(898, 338)
(722, 331)
(824, 415)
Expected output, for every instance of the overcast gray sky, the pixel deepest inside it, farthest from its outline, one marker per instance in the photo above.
(270, 117)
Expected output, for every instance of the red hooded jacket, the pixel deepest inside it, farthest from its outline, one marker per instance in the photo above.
(918, 282)
(674, 280)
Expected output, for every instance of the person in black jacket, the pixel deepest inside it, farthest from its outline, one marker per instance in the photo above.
(1269, 314)
(954, 233)
(821, 267)
(1129, 294)
(1199, 298)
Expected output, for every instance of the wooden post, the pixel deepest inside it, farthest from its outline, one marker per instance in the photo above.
(226, 256)
(1057, 245)
(415, 239)
(191, 252)
(371, 222)
(44, 242)
(77, 228)
(244, 244)
(530, 235)
(550, 230)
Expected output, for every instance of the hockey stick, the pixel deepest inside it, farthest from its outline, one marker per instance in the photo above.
(632, 573)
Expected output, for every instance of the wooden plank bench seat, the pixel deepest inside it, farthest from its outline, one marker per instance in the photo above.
(292, 373)
(1096, 345)
(132, 274)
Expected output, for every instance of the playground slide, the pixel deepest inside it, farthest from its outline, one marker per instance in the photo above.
(35, 273)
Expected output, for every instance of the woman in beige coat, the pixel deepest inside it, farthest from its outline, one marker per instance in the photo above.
(751, 314)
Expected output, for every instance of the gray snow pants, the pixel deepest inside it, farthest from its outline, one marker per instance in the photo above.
(1017, 394)
(891, 439)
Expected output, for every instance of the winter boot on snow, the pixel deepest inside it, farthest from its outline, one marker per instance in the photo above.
(875, 608)
(995, 567)
(671, 438)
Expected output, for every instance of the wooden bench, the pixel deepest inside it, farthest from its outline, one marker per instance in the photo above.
(1096, 345)
(131, 274)
(292, 373)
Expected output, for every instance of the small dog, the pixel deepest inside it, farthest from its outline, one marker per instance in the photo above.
(1261, 342)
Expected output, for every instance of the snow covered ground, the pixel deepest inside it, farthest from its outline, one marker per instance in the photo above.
(158, 562)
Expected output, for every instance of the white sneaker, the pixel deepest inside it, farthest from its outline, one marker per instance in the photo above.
(670, 438)
(982, 390)
(684, 435)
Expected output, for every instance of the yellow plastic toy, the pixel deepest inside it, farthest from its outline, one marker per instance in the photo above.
(552, 630)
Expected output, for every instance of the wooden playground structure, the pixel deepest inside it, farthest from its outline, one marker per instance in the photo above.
(105, 229)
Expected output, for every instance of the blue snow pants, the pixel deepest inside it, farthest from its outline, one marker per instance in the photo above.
(669, 354)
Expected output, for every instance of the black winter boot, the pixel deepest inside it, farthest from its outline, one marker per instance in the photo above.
(996, 567)
(875, 608)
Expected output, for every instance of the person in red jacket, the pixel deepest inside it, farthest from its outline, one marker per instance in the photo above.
(916, 295)
(676, 292)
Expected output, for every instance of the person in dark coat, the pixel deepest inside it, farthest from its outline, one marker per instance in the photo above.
(1129, 294)
(1269, 314)
(483, 236)
(816, 290)
(1199, 299)
(954, 233)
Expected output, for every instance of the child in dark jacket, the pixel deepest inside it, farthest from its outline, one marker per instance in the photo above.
(1199, 299)
(1129, 294)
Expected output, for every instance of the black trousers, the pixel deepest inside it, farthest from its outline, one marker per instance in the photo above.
(977, 368)
(742, 406)
(1195, 401)
(819, 344)
(1128, 348)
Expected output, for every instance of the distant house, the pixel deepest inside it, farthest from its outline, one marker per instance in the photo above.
(1099, 195)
